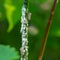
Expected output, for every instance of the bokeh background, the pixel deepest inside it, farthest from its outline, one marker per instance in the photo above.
(10, 24)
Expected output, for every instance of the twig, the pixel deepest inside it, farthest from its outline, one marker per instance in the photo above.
(47, 31)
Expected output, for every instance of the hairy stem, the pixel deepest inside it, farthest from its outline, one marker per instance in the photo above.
(24, 31)
(47, 31)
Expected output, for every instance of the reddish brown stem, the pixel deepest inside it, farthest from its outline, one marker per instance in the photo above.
(47, 31)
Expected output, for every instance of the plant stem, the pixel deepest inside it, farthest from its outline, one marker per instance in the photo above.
(47, 31)
(24, 31)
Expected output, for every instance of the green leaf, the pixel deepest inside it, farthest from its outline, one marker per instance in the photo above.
(13, 12)
(9, 12)
(8, 53)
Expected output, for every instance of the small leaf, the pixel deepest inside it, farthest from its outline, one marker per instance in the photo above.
(9, 12)
(13, 12)
(8, 53)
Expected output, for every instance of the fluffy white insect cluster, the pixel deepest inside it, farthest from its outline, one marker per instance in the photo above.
(24, 31)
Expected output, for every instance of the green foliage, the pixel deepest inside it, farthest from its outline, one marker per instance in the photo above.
(10, 15)
(8, 53)
(12, 11)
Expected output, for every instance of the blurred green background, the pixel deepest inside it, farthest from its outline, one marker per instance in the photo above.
(10, 24)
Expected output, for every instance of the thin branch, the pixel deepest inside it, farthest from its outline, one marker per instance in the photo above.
(47, 31)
